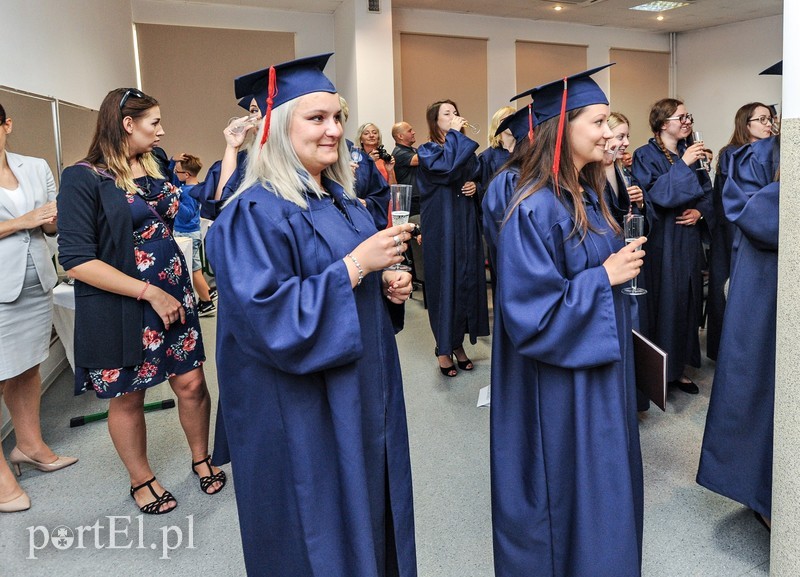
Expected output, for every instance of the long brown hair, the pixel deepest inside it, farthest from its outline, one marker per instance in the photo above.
(659, 113)
(536, 174)
(109, 147)
(432, 116)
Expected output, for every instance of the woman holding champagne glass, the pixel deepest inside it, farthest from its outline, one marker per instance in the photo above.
(677, 192)
(453, 250)
(567, 487)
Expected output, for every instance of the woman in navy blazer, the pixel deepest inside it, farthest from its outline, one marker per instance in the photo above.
(27, 213)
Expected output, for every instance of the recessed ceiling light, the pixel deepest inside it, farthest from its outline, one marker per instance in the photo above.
(660, 17)
(659, 6)
(557, 8)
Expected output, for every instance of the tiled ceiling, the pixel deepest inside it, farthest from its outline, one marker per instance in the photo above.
(699, 13)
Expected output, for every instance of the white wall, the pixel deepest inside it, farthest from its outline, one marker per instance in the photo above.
(717, 72)
(313, 32)
(502, 33)
(74, 50)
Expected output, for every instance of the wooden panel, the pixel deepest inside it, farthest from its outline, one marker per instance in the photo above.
(541, 62)
(34, 127)
(638, 80)
(443, 67)
(190, 71)
(77, 129)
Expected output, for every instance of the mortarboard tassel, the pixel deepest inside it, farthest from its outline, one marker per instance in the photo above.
(271, 94)
(530, 123)
(559, 137)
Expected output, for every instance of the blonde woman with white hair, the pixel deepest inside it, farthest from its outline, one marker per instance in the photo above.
(310, 386)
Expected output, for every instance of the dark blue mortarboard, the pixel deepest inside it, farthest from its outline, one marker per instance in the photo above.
(580, 91)
(774, 70)
(556, 98)
(520, 123)
(245, 102)
(289, 80)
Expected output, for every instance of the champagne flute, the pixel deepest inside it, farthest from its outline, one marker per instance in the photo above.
(475, 128)
(697, 136)
(634, 228)
(238, 126)
(401, 207)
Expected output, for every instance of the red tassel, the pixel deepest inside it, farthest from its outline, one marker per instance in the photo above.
(530, 123)
(272, 92)
(559, 138)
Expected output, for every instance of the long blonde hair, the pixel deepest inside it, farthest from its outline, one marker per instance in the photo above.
(277, 165)
(497, 118)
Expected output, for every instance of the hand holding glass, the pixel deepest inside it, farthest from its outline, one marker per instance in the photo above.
(697, 136)
(238, 125)
(401, 206)
(634, 228)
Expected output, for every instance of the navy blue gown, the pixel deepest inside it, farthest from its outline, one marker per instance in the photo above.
(673, 265)
(311, 392)
(719, 266)
(566, 468)
(452, 247)
(210, 208)
(736, 458)
(495, 202)
(490, 161)
(371, 187)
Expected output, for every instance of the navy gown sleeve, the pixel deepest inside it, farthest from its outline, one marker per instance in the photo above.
(673, 186)
(495, 203)
(374, 190)
(441, 162)
(544, 308)
(750, 195)
(277, 314)
(210, 208)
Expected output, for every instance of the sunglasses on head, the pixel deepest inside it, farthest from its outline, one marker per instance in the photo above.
(128, 93)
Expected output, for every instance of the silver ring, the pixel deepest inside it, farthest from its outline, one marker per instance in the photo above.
(396, 240)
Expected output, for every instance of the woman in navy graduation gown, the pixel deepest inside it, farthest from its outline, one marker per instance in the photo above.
(736, 459)
(679, 208)
(567, 496)
(748, 127)
(223, 177)
(309, 375)
(453, 249)
(501, 145)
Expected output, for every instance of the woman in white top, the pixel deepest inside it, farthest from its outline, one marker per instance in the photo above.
(27, 213)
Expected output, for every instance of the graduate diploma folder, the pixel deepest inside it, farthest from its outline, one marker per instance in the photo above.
(651, 370)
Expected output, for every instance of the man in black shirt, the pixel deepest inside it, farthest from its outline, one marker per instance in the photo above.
(406, 160)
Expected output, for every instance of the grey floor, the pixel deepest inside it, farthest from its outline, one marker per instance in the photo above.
(689, 531)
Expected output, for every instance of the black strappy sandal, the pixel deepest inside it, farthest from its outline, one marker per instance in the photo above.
(465, 365)
(207, 481)
(154, 508)
(450, 371)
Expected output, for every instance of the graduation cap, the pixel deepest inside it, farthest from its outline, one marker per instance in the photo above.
(283, 82)
(774, 70)
(245, 102)
(520, 123)
(559, 97)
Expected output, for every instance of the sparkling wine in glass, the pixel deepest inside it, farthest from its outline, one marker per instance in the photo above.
(634, 228)
(401, 207)
(239, 125)
(475, 128)
(697, 136)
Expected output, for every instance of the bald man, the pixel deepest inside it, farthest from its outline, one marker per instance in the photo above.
(406, 160)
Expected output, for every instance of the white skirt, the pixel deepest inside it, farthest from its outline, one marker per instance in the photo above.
(25, 327)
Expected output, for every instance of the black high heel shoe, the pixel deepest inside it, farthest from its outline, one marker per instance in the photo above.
(450, 371)
(465, 365)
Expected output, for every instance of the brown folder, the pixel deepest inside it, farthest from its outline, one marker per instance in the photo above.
(651, 370)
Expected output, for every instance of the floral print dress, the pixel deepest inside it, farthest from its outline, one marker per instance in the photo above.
(160, 261)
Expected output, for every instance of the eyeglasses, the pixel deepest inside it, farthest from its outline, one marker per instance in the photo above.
(763, 119)
(128, 93)
(683, 118)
